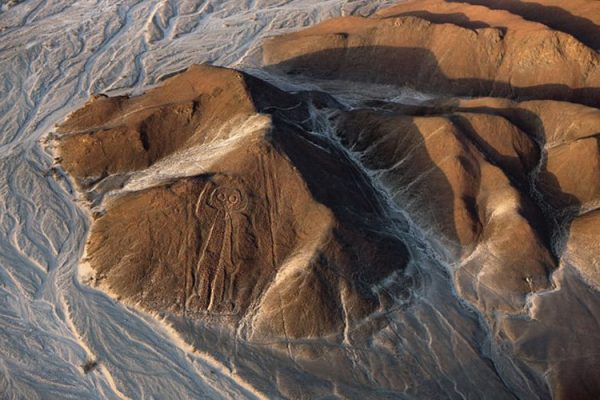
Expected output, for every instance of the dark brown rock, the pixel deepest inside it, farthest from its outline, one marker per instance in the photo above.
(410, 51)
(583, 246)
(218, 201)
(260, 239)
(459, 176)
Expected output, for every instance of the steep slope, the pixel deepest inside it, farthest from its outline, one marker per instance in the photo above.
(464, 176)
(507, 177)
(465, 14)
(580, 18)
(532, 62)
(249, 229)
(403, 243)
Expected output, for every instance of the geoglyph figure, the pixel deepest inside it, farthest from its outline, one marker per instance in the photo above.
(211, 281)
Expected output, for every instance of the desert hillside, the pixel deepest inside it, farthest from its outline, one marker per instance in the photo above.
(411, 197)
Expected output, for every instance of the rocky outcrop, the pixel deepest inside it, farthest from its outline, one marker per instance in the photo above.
(583, 246)
(406, 50)
(464, 177)
(120, 135)
(471, 15)
(579, 18)
(250, 229)
(568, 134)
(507, 176)
(286, 217)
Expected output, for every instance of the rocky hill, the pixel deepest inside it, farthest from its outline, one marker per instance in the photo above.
(286, 216)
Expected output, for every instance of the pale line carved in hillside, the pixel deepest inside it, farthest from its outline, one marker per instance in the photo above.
(214, 274)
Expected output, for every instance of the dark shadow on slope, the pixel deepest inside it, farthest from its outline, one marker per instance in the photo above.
(419, 68)
(563, 339)
(554, 17)
(519, 177)
(459, 19)
(396, 149)
(558, 207)
(570, 365)
(564, 205)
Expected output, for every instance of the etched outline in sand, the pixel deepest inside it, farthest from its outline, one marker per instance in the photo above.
(213, 277)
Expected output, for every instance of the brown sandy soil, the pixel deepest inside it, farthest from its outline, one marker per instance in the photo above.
(579, 18)
(456, 177)
(512, 174)
(534, 62)
(257, 238)
(583, 245)
(254, 221)
(466, 14)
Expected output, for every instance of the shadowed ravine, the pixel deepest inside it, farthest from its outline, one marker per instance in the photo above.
(395, 205)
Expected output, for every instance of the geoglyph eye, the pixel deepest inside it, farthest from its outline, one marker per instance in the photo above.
(228, 199)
